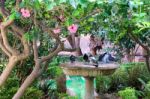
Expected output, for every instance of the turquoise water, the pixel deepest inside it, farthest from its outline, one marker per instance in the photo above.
(77, 85)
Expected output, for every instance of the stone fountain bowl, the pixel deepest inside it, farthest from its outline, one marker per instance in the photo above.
(81, 69)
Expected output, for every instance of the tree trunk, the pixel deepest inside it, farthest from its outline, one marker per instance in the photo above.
(6, 72)
(148, 62)
(128, 55)
(146, 53)
(34, 74)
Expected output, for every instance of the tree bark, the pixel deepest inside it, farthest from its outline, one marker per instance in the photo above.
(147, 58)
(29, 80)
(12, 62)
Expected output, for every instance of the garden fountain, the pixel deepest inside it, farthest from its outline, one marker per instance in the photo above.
(88, 72)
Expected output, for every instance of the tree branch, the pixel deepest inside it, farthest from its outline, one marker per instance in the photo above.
(28, 81)
(4, 50)
(35, 50)
(6, 72)
(133, 37)
(20, 33)
(93, 13)
(6, 44)
(50, 55)
(3, 47)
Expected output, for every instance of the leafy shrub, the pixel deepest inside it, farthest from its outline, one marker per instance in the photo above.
(32, 93)
(103, 83)
(119, 78)
(126, 75)
(147, 91)
(11, 87)
(128, 93)
(138, 70)
(66, 96)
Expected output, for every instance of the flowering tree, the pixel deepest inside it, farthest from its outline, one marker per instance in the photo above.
(39, 25)
(30, 21)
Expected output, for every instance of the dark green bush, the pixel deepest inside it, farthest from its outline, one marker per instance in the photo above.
(103, 83)
(147, 91)
(126, 75)
(32, 93)
(66, 96)
(11, 87)
(119, 78)
(138, 70)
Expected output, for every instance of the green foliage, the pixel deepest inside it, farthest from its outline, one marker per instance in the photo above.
(127, 75)
(147, 91)
(143, 25)
(54, 70)
(128, 93)
(120, 78)
(48, 80)
(139, 71)
(103, 83)
(115, 17)
(51, 84)
(11, 87)
(66, 96)
(14, 15)
(32, 93)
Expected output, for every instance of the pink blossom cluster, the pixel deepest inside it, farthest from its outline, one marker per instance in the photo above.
(73, 28)
(56, 30)
(25, 13)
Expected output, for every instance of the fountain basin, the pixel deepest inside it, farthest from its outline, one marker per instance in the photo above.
(81, 69)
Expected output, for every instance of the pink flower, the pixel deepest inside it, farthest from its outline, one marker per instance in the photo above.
(25, 13)
(73, 28)
(56, 30)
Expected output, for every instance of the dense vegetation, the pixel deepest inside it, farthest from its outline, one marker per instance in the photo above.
(30, 39)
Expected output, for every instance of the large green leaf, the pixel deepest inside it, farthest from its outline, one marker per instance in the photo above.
(37, 4)
(68, 22)
(50, 5)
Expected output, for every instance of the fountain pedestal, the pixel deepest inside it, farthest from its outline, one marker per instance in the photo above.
(89, 93)
(88, 72)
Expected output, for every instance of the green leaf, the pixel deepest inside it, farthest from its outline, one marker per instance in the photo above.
(76, 13)
(37, 4)
(62, 1)
(17, 15)
(51, 84)
(91, 19)
(28, 36)
(83, 3)
(68, 22)
(22, 4)
(50, 6)
(12, 16)
(100, 2)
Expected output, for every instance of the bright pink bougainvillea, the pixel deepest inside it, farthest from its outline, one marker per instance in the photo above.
(73, 28)
(25, 13)
(56, 30)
